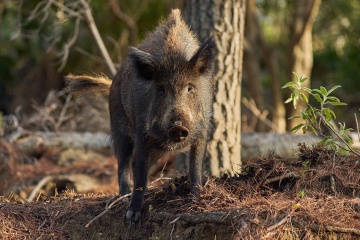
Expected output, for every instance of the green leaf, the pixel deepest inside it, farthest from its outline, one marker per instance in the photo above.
(313, 130)
(293, 117)
(288, 84)
(295, 100)
(327, 141)
(304, 115)
(316, 90)
(297, 127)
(288, 100)
(333, 99)
(337, 103)
(306, 89)
(334, 88)
(296, 76)
(303, 78)
(317, 97)
(332, 113)
(303, 97)
(304, 129)
(327, 114)
(323, 91)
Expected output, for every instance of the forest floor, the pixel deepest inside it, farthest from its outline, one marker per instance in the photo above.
(314, 195)
(71, 193)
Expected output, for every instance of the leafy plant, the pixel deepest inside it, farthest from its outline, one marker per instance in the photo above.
(314, 118)
(302, 193)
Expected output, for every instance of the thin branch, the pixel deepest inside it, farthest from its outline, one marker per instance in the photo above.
(357, 126)
(69, 44)
(63, 112)
(305, 19)
(335, 229)
(258, 114)
(279, 178)
(107, 209)
(89, 55)
(129, 22)
(337, 134)
(37, 10)
(66, 9)
(38, 187)
(94, 30)
(281, 222)
(116, 201)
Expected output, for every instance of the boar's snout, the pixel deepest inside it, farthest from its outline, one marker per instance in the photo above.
(178, 133)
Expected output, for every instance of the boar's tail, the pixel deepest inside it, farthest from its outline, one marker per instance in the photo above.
(83, 84)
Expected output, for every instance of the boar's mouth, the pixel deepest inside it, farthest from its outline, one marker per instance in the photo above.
(163, 140)
(171, 146)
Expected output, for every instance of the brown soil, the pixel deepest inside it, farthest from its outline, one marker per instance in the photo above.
(316, 195)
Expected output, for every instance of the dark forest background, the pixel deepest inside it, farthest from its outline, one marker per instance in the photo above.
(42, 41)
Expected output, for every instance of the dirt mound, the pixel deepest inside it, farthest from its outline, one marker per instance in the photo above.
(316, 195)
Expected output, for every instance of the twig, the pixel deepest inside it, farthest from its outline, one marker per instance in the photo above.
(173, 228)
(357, 126)
(286, 175)
(335, 229)
(281, 222)
(107, 209)
(63, 112)
(38, 187)
(69, 44)
(89, 55)
(36, 12)
(129, 22)
(175, 220)
(159, 179)
(116, 201)
(265, 177)
(43, 223)
(258, 114)
(337, 134)
(332, 184)
(97, 36)
(66, 9)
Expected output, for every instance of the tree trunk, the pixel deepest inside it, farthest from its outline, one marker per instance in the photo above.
(300, 47)
(224, 20)
(252, 62)
(271, 61)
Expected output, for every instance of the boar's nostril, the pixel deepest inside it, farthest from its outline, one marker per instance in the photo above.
(178, 133)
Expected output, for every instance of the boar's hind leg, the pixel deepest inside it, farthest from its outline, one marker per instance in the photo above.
(123, 146)
(197, 153)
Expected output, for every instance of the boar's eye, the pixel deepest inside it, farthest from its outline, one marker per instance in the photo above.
(190, 88)
(161, 91)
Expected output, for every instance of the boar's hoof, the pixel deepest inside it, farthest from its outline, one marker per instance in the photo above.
(178, 133)
(133, 216)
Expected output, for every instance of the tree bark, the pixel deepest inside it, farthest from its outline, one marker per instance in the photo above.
(224, 20)
(300, 47)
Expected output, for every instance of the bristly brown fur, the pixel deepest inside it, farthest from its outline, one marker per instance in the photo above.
(82, 84)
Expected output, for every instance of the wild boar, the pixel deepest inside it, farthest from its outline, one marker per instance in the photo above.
(160, 100)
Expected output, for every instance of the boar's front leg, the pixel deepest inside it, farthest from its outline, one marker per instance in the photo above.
(140, 171)
(197, 154)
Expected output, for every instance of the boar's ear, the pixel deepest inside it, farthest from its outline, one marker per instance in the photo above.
(204, 57)
(145, 63)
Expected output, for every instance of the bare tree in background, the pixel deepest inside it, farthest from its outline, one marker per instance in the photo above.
(252, 62)
(255, 38)
(78, 11)
(300, 46)
(224, 20)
